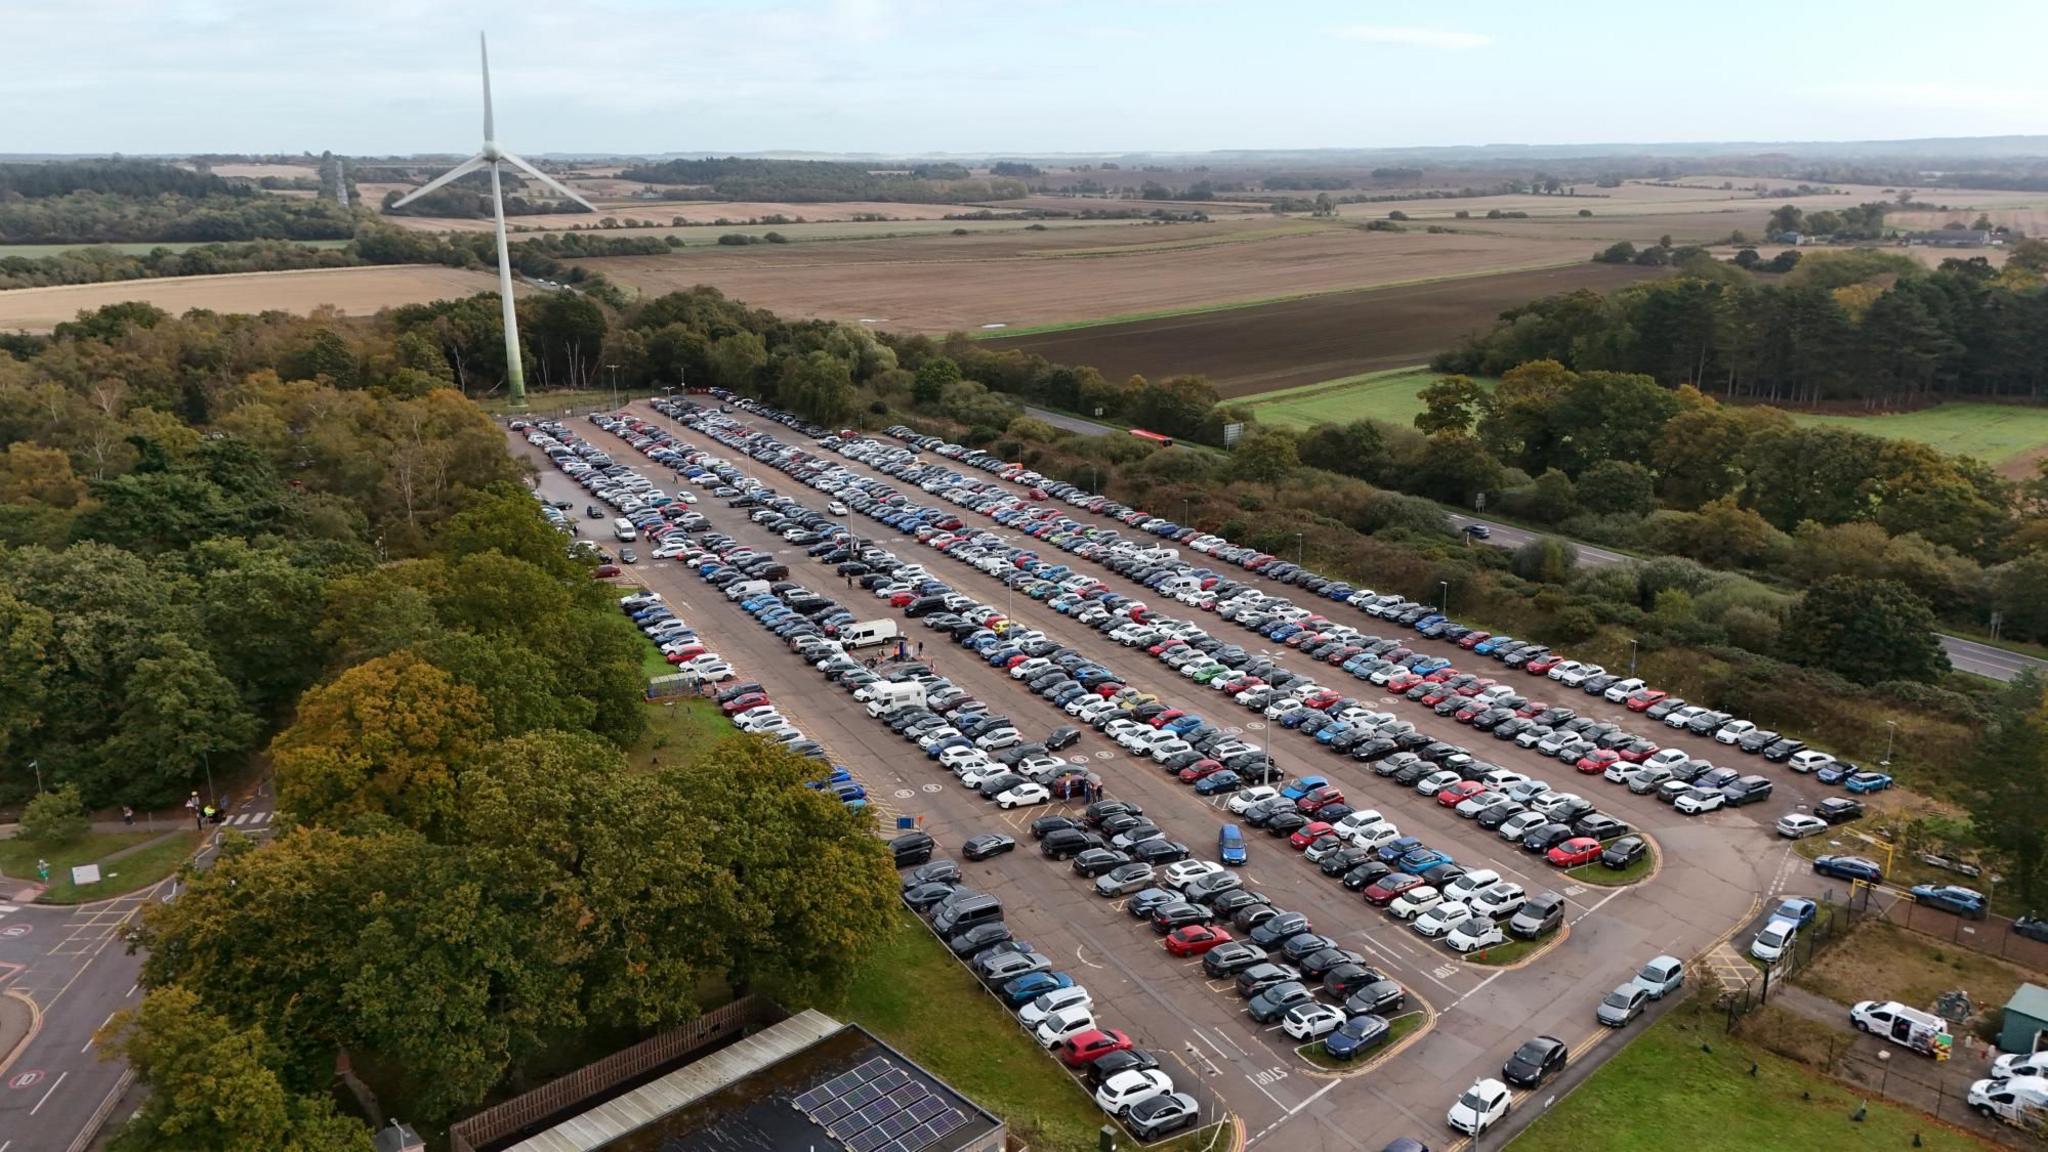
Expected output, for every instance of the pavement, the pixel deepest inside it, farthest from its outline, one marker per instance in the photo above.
(1716, 866)
(1070, 423)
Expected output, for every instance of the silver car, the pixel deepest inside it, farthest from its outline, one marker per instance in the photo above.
(1622, 1005)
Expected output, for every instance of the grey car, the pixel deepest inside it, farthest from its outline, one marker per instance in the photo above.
(1622, 1005)
(1125, 878)
(1274, 1002)
(1539, 914)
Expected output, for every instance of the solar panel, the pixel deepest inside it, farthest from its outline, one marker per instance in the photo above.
(868, 1141)
(927, 1108)
(832, 1113)
(843, 1084)
(896, 1125)
(864, 1095)
(874, 1114)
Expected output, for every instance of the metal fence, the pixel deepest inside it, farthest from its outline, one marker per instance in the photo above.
(1830, 921)
(557, 1096)
(1940, 1089)
(1993, 935)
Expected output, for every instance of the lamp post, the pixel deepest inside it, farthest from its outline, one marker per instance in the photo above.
(1186, 510)
(1631, 656)
(1891, 730)
(1301, 549)
(1445, 607)
(614, 369)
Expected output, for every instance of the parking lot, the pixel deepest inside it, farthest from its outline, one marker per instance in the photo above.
(1714, 865)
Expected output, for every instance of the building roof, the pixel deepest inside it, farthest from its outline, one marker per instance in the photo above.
(2029, 1000)
(806, 1084)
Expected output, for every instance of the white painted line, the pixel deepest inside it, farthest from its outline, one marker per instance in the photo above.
(60, 1080)
(1598, 904)
(124, 996)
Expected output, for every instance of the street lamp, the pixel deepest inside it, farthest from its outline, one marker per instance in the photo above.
(1301, 549)
(1891, 729)
(1187, 505)
(1445, 607)
(1631, 656)
(615, 383)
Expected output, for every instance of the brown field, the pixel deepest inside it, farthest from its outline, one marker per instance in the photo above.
(1268, 346)
(356, 291)
(1025, 279)
(259, 171)
(2032, 221)
(1049, 203)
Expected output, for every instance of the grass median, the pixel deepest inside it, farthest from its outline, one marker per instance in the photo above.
(1398, 1029)
(1684, 1085)
(916, 996)
(151, 857)
(1514, 951)
(1600, 874)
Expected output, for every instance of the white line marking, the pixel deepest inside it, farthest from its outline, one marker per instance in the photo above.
(62, 1075)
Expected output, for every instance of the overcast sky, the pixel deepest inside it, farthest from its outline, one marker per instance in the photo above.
(920, 76)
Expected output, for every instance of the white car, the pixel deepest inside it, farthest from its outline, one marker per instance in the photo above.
(1472, 935)
(1064, 1024)
(961, 756)
(1034, 1013)
(1773, 941)
(1576, 677)
(1281, 707)
(1373, 836)
(1684, 716)
(1809, 761)
(1414, 902)
(976, 775)
(1480, 1108)
(998, 740)
(1517, 826)
(1471, 884)
(1022, 795)
(1799, 825)
(1698, 800)
(716, 671)
(753, 720)
(1124, 1089)
(835, 508)
(1436, 782)
(1617, 693)
(1558, 670)
(1181, 873)
(1244, 798)
(1447, 914)
(1733, 731)
(1550, 802)
(1667, 758)
(1502, 899)
(1353, 821)
(1307, 1022)
(1040, 768)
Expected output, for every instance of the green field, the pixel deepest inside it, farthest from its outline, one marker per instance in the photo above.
(1993, 433)
(1684, 1085)
(916, 996)
(34, 251)
(139, 869)
(1389, 396)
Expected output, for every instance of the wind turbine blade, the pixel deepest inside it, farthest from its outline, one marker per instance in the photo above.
(473, 164)
(544, 178)
(485, 49)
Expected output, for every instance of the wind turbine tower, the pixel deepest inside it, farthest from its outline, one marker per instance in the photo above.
(493, 158)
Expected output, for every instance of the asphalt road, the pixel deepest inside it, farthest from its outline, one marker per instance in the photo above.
(1716, 867)
(75, 965)
(1965, 655)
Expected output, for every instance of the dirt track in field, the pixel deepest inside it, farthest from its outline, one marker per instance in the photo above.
(1261, 348)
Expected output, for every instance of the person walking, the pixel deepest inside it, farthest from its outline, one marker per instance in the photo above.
(192, 806)
(128, 814)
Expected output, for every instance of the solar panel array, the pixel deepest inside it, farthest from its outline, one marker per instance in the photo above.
(877, 1107)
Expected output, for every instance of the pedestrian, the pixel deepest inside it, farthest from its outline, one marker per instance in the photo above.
(920, 649)
(127, 814)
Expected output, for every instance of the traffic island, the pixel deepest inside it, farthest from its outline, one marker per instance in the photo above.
(1518, 952)
(1401, 1031)
(1643, 869)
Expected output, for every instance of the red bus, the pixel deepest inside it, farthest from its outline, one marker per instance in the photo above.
(1156, 438)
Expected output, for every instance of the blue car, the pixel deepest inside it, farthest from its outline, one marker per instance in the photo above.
(1419, 860)
(1184, 725)
(1429, 621)
(1217, 783)
(1428, 664)
(1867, 782)
(1230, 845)
(1357, 1035)
(1798, 910)
(1952, 898)
(1833, 773)
(1304, 786)
(1398, 847)
(1849, 868)
(1487, 646)
(1024, 989)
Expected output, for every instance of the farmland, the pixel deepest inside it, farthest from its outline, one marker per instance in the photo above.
(1065, 276)
(350, 290)
(1317, 339)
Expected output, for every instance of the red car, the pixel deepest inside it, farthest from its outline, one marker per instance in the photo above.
(741, 703)
(1479, 684)
(1382, 891)
(1598, 760)
(1575, 851)
(1542, 664)
(604, 570)
(1308, 834)
(901, 598)
(1532, 709)
(1474, 639)
(1638, 751)
(1167, 717)
(1316, 799)
(1644, 699)
(690, 652)
(1200, 769)
(1470, 712)
(1437, 695)
(1460, 792)
(1108, 688)
(1321, 698)
(1195, 939)
(1401, 682)
(1092, 1045)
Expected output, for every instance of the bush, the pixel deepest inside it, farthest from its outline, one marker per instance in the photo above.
(738, 239)
(775, 238)
(55, 817)
(1585, 211)
(1574, 624)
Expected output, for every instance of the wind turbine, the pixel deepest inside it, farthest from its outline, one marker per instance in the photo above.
(493, 158)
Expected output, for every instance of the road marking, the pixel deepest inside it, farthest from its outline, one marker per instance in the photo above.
(124, 996)
(1078, 955)
(60, 1080)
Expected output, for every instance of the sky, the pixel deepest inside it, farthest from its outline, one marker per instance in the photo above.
(922, 77)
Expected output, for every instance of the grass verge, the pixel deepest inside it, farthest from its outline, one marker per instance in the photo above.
(1513, 952)
(1390, 396)
(1199, 1140)
(1884, 961)
(913, 994)
(678, 731)
(1600, 874)
(139, 869)
(555, 403)
(1398, 1029)
(1684, 1085)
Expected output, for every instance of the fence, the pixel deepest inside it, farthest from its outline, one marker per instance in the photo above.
(1830, 921)
(560, 1095)
(1992, 935)
(1939, 1089)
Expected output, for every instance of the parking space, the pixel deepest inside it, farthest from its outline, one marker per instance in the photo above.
(1481, 1013)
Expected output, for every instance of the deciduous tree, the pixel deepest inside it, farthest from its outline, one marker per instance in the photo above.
(1866, 630)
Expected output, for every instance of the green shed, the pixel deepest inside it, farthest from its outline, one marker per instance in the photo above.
(2026, 1017)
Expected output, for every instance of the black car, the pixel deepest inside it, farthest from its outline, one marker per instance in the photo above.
(1285, 824)
(1343, 980)
(1046, 825)
(1127, 1060)
(1782, 750)
(1849, 868)
(1061, 737)
(1179, 915)
(988, 844)
(1159, 851)
(1095, 861)
(1380, 997)
(1277, 930)
(1253, 915)
(1065, 842)
(1229, 904)
(1102, 809)
(1364, 875)
(1343, 860)
(1624, 852)
(1150, 900)
(1322, 962)
(924, 896)
(1497, 815)
(935, 872)
(1302, 945)
(2031, 926)
(1535, 1061)
(1838, 809)
(1259, 977)
(1600, 826)
(1544, 837)
(979, 937)
(1747, 790)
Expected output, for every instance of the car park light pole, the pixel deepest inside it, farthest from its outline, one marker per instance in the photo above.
(1631, 656)
(1891, 729)
(1446, 586)
(1301, 549)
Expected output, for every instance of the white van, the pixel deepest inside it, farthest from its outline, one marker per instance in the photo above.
(868, 632)
(2022, 1102)
(741, 589)
(623, 529)
(1901, 1024)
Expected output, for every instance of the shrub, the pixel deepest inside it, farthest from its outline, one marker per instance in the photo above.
(56, 817)
(1574, 624)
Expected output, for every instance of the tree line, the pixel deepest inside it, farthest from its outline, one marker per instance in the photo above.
(805, 181)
